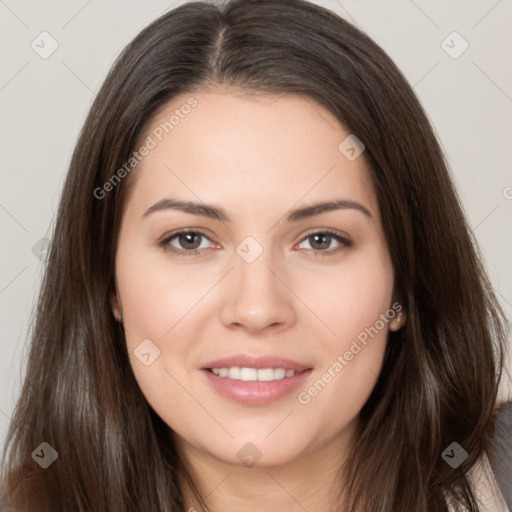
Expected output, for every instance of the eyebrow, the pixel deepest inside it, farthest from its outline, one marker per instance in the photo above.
(217, 213)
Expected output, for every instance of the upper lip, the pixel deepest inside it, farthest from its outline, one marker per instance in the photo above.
(247, 361)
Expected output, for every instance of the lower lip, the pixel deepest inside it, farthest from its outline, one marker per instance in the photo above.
(255, 392)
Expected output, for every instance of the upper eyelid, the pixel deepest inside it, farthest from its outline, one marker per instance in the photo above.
(172, 234)
(330, 231)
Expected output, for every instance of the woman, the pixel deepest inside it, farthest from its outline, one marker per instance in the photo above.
(332, 343)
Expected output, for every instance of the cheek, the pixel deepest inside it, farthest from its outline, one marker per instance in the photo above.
(161, 303)
(154, 295)
(154, 300)
(352, 296)
(353, 304)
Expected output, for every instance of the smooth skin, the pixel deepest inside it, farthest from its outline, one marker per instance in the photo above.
(256, 157)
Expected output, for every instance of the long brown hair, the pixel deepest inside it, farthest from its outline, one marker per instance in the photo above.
(441, 371)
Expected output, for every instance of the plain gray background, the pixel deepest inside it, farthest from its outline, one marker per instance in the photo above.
(44, 101)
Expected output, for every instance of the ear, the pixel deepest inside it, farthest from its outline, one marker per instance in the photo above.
(115, 305)
(398, 321)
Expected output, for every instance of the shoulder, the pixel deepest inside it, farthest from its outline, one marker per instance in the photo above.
(500, 451)
(486, 488)
(491, 476)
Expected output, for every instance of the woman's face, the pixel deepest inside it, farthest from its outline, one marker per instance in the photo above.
(300, 298)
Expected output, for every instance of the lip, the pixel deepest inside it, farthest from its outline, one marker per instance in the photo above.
(255, 392)
(248, 361)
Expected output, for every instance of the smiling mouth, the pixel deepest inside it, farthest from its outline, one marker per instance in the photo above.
(255, 386)
(254, 374)
(255, 379)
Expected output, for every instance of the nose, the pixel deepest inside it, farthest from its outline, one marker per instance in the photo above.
(258, 298)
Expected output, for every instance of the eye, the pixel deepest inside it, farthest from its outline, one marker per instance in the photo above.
(188, 240)
(322, 240)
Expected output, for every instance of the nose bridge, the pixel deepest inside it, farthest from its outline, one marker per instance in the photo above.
(254, 272)
(259, 296)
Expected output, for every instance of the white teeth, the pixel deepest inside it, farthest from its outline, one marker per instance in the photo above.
(248, 374)
(234, 373)
(279, 373)
(265, 374)
(253, 374)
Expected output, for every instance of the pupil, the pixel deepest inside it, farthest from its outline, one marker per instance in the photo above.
(325, 237)
(187, 240)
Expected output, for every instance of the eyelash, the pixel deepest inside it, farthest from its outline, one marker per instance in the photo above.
(165, 243)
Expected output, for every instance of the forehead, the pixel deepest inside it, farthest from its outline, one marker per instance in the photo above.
(251, 152)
